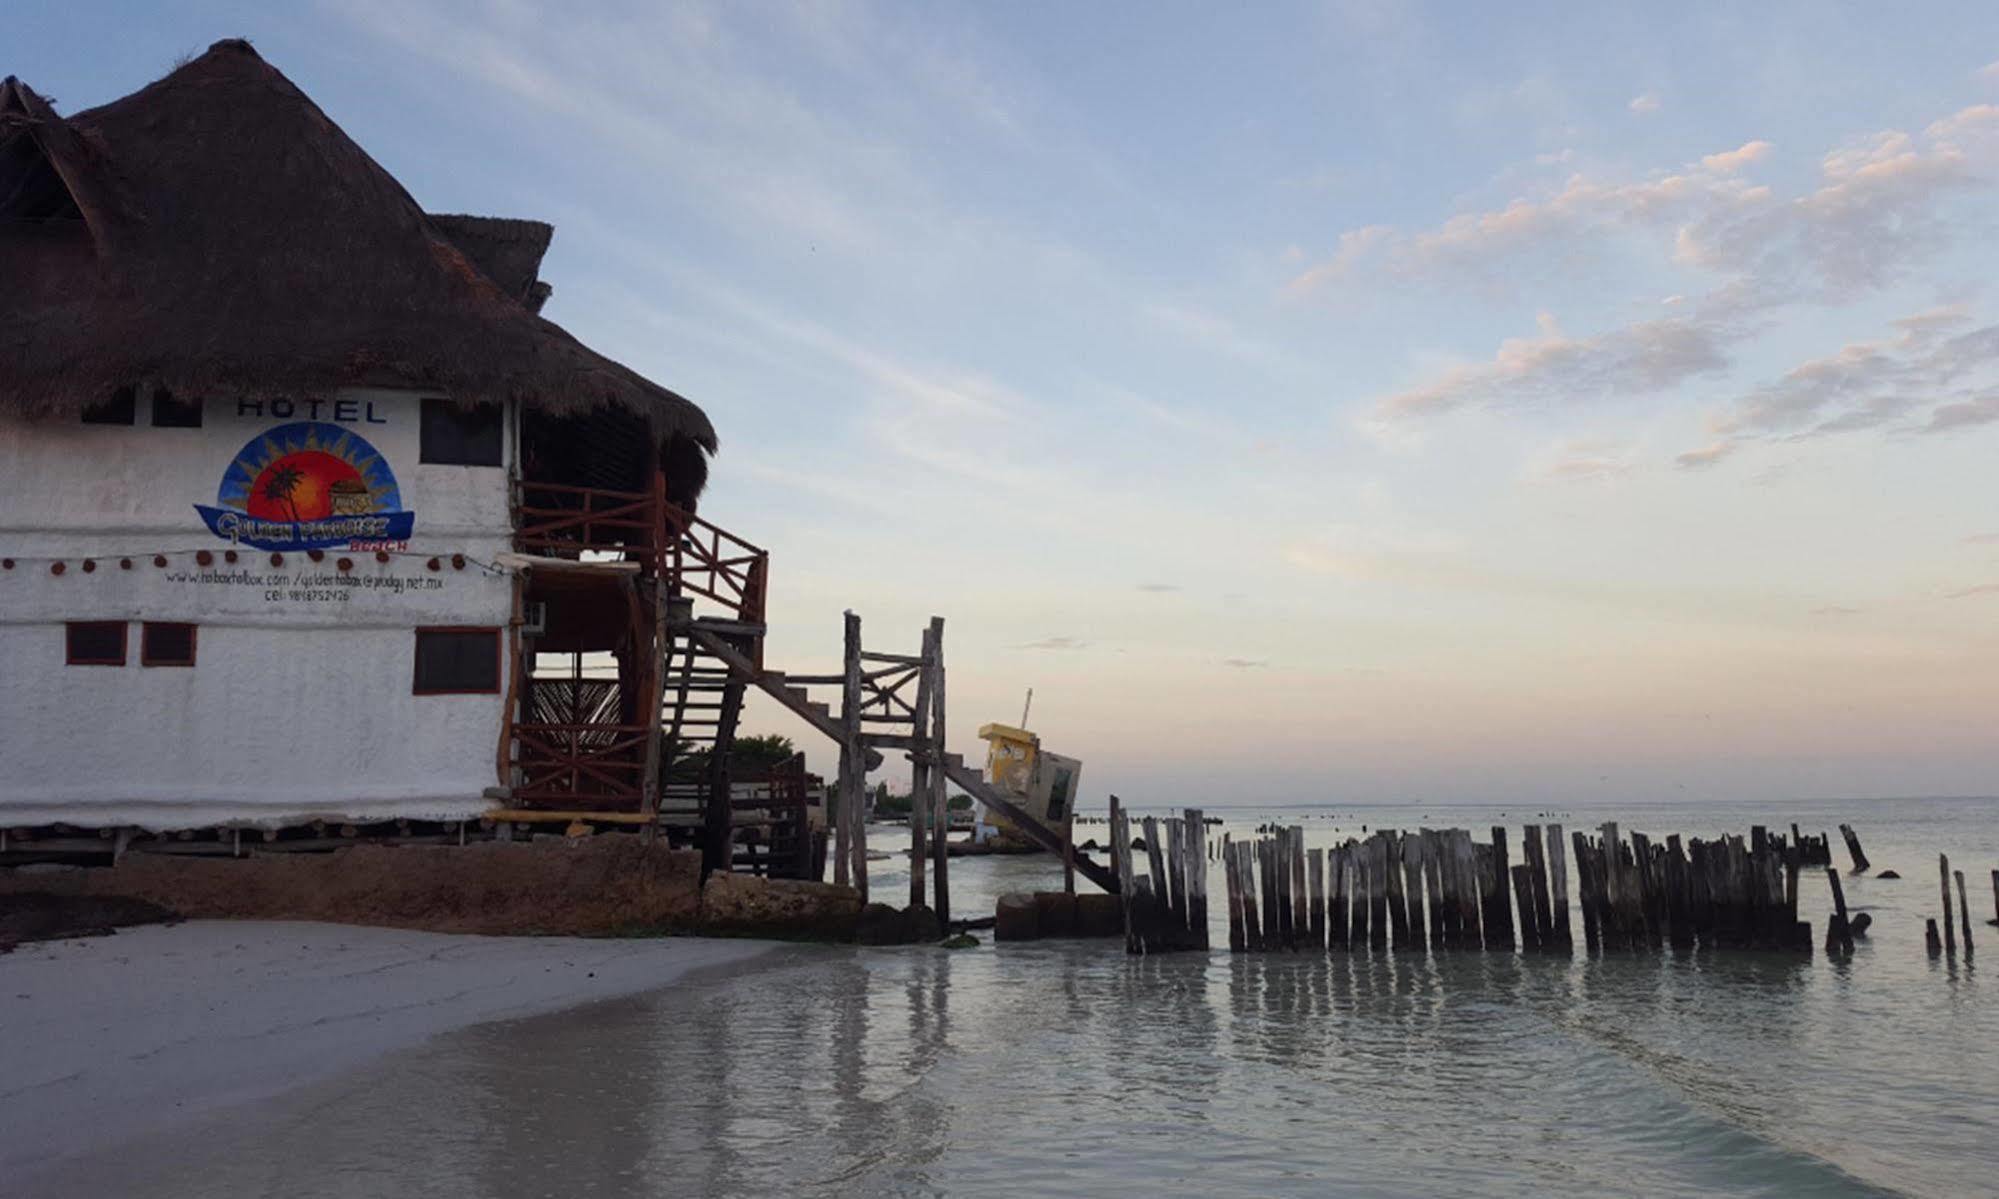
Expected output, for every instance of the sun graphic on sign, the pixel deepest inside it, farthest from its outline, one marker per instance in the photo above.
(308, 471)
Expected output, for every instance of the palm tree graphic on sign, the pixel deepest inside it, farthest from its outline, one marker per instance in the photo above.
(279, 488)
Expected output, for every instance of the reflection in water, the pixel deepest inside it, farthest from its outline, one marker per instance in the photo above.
(1073, 1069)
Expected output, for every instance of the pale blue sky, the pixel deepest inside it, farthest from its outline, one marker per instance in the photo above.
(1347, 401)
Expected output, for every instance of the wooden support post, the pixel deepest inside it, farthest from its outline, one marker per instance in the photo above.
(1197, 826)
(1464, 856)
(1930, 938)
(1523, 896)
(1377, 891)
(1339, 926)
(854, 762)
(1316, 870)
(1586, 888)
(1252, 926)
(1838, 930)
(1963, 912)
(1949, 924)
(1433, 892)
(940, 791)
(1301, 896)
(1533, 851)
(1155, 871)
(1233, 880)
(1394, 884)
(1853, 848)
(1121, 864)
(718, 847)
(662, 649)
(1412, 887)
(919, 773)
(1558, 878)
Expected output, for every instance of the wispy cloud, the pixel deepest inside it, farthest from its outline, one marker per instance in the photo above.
(1835, 610)
(1246, 663)
(1931, 370)
(1644, 103)
(1159, 588)
(1877, 209)
(1969, 592)
(1056, 644)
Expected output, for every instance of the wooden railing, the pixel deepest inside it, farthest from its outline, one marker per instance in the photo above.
(695, 557)
(581, 766)
(563, 521)
(706, 560)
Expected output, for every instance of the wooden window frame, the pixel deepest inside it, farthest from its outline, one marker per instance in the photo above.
(178, 411)
(499, 659)
(120, 409)
(429, 404)
(146, 657)
(124, 644)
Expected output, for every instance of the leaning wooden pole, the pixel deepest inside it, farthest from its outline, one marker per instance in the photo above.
(919, 772)
(940, 792)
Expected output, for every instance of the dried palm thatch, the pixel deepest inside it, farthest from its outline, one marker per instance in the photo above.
(214, 234)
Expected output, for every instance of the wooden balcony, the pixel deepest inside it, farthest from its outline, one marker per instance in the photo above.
(694, 557)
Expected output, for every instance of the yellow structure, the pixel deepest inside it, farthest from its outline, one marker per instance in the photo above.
(1042, 784)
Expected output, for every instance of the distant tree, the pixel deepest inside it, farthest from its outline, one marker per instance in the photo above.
(762, 752)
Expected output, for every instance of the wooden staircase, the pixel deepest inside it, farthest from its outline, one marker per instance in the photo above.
(674, 773)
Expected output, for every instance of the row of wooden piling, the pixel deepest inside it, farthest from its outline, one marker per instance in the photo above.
(1402, 891)
(1167, 908)
(1948, 945)
(1722, 894)
(1438, 889)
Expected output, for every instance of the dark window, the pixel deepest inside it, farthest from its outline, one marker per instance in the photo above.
(171, 413)
(120, 409)
(456, 436)
(166, 644)
(457, 661)
(95, 642)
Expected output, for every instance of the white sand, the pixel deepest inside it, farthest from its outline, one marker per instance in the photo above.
(109, 1038)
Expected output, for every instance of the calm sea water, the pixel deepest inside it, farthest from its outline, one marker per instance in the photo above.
(1072, 1069)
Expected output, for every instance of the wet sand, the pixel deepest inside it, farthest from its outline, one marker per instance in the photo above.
(114, 1038)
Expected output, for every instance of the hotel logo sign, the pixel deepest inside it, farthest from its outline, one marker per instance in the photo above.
(308, 485)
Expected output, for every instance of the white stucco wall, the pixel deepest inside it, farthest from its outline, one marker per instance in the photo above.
(300, 704)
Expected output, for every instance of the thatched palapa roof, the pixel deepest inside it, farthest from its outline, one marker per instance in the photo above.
(216, 235)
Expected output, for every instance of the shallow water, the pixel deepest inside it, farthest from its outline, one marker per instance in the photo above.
(1071, 1068)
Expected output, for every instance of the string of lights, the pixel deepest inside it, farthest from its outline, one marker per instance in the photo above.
(62, 564)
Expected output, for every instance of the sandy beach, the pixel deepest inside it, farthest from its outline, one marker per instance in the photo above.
(115, 1038)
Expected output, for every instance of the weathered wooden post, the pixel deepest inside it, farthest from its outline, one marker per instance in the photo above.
(1501, 908)
(1586, 889)
(919, 769)
(1949, 925)
(1930, 938)
(1233, 881)
(940, 808)
(1838, 931)
(1357, 905)
(1316, 872)
(1197, 828)
(1412, 887)
(1398, 901)
(1253, 931)
(1122, 864)
(1853, 848)
(1963, 912)
(1558, 877)
(1339, 924)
